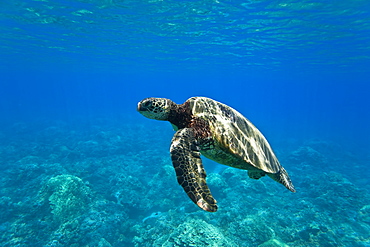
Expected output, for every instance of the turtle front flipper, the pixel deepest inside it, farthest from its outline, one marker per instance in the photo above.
(189, 169)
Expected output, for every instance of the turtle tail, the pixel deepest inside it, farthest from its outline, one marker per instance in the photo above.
(283, 178)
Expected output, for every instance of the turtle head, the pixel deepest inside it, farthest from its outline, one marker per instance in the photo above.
(155, 108)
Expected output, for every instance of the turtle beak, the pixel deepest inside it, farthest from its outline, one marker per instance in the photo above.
(139, 108)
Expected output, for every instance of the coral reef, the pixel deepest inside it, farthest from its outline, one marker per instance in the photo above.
(196, 232)
(273, 243)
(68, 196)
(112, 184)
(364, 214)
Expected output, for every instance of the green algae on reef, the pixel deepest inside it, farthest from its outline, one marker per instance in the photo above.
(98, 186)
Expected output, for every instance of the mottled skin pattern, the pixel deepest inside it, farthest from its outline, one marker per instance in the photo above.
(219, 133)
(189, 169)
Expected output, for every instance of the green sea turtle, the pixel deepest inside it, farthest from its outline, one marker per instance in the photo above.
(220, 133)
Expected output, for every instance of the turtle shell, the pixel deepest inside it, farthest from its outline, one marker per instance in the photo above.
(242, 144)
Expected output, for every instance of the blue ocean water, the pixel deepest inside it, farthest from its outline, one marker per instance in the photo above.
(80, 167)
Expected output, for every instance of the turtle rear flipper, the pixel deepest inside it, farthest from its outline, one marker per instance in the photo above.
(256, 174)
(283, 178)
(189, 169)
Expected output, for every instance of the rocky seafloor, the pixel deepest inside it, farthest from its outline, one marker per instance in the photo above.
(110, 183)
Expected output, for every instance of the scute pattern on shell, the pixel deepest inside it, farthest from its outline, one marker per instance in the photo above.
(237, 140)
